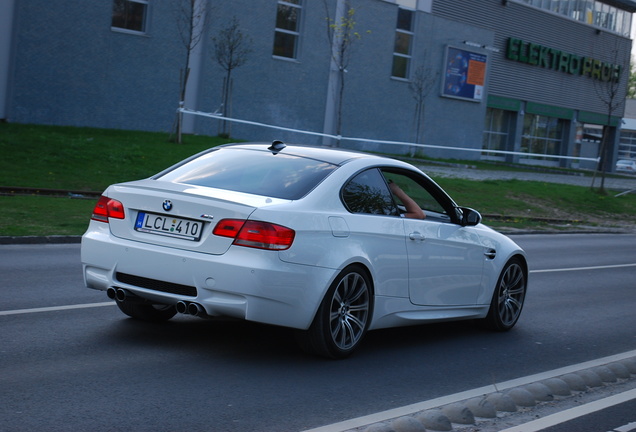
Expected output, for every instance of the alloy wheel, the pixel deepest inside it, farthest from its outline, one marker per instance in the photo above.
(511, 294)
(349, 311)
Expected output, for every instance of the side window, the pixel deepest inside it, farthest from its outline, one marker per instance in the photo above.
(287, 28)
(403, 43)
(367, 193)
(130, 15)
(418, 192)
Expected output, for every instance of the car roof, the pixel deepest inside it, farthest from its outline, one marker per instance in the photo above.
(331, 155)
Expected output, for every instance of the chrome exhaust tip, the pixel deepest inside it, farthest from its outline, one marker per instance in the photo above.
(196, 309)
(111, 293)
(182, 307)
(122, 295)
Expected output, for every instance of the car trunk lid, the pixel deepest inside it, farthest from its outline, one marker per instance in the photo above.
(179, 215)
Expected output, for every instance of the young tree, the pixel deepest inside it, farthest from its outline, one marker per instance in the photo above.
(342, 34)
(231, 50)
(612, 93)
(420, 86)
(192, 18)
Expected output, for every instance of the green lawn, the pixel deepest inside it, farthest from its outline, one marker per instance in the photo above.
(88, 159)
(520, 201)
(85, 158)
(43, 215)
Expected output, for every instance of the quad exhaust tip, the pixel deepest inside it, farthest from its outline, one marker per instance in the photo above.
(182, 307)
(190, 308)
(118, 294)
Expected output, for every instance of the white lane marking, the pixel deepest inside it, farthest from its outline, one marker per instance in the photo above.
(627, 428)
(55, 308)
(584, 268)
(572, 413)
(469, 394)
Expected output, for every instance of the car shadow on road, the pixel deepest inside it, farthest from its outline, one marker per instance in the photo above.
(242, 339)
(218, 336)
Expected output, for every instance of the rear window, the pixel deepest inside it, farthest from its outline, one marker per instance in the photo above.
(252, 171)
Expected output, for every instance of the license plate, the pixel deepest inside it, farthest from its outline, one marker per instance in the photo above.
(168, 226)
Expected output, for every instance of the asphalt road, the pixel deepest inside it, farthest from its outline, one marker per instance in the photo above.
(91, 368)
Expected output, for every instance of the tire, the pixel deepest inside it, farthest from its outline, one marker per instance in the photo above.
(508, 298)
(343, 317)
(147, 311)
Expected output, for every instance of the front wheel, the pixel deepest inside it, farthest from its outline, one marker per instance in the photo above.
(343, 317)
(508, 298)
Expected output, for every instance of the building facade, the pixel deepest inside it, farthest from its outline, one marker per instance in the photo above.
(627, 140)
(525, 81)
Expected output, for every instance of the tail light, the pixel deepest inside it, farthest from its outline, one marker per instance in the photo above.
(255, 234)
(107, 208)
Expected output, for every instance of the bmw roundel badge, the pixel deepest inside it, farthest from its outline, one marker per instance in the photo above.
(167, 205)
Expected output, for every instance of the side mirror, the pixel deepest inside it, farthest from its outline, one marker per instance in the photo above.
(470, 217)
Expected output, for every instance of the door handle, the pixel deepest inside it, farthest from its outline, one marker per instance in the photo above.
(417, 236)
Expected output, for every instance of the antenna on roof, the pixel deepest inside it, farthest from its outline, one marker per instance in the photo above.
(276, 146)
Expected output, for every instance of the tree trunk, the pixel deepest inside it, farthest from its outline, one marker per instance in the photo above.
(340, 99)
(226, 99)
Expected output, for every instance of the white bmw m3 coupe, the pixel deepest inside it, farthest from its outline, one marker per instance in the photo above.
(329, 242)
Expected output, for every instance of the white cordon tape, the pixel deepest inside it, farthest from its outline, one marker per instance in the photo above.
(368, 140)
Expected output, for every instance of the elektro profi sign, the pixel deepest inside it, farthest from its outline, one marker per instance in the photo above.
(561, 61)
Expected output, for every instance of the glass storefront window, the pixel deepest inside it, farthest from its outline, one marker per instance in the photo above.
(496, 133)
(542, 135)
(627, 145)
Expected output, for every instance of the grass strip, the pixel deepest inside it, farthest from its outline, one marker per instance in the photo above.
(90, 159)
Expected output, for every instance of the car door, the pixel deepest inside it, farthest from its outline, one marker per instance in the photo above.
(445, 260)
(376, 231)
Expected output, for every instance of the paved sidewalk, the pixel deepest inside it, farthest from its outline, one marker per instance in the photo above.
(497, 407)
(614, 183)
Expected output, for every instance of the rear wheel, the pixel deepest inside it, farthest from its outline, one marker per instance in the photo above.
(508, 298)
(343, 316)
(147, 311)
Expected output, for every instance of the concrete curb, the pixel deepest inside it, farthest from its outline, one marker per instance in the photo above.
(456, 416)
(52, 239)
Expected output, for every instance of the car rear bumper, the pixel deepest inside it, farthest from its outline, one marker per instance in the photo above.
(243, 283)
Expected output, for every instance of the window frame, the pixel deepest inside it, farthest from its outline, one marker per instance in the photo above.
(144, 20)
(410, 35)
(384, 194)
(298, 5)
(450, 209)
(433, 191)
